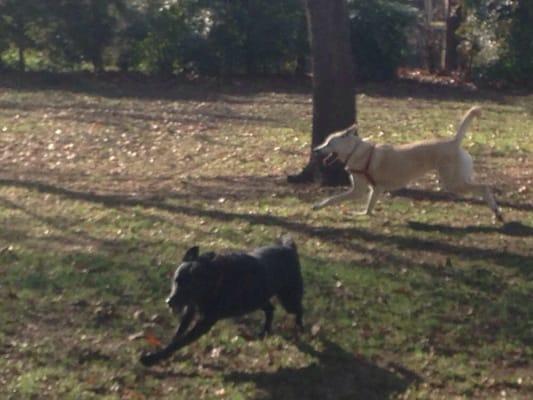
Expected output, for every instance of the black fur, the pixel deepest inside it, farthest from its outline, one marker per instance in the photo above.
(210, 287)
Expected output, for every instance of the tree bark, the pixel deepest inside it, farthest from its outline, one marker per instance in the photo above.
(453, 22)
(333, 83)
(21, 60)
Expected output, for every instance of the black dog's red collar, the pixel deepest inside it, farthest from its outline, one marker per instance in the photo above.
(364, 171)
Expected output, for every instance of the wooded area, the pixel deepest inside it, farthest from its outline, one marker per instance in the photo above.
(484, 40)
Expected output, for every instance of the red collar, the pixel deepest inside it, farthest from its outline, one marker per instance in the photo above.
(364, 171)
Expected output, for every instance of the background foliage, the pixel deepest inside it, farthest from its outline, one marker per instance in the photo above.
(251, 37)
(498, 36)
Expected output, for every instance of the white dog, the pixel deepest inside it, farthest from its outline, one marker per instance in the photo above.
(386, 167)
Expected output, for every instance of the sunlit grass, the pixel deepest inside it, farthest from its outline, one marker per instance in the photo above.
(101, 193)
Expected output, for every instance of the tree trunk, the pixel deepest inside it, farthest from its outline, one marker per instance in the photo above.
(428, 37)
(453, 21)
(21, 60)
(250, 58)
(98, 63)
(333, 83)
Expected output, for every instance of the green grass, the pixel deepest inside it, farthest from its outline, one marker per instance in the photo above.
(103, 185)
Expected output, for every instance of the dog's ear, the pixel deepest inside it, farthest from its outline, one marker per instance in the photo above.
(352, 130)
(192, 254)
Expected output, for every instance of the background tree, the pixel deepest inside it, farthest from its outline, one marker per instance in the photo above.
(19, 23)
(379, 36)
(497, 38)
(84, 29)
(453, 22)
(520, 53)
(333, 83)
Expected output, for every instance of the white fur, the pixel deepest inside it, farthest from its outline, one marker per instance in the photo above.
(392, 167)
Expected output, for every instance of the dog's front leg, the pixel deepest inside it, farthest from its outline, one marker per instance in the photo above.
(268, 309)
(352, 192)
(186, 320)
(375, 193)
(179, 340)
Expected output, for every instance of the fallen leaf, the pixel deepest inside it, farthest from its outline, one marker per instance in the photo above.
(315, 329)
(215, 353)
(152, 339)
(136, 336)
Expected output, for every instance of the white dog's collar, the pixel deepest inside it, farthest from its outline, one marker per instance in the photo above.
(356, 145)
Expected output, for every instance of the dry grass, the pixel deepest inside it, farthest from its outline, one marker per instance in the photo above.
(104, 184)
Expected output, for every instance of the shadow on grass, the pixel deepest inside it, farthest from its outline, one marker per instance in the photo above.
(417, 194)
(141, 86)
(82, 112)
(336, 374)
(137, 85)
(410, 88)
(346, 237)
(510, 228)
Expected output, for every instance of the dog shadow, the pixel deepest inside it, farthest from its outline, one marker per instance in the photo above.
(336, 374)
(513, 228)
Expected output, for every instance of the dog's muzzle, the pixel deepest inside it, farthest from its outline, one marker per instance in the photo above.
(328, 158)
(174, 304)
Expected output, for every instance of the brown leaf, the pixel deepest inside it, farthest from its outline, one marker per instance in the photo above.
(152, 339)
(315, 329)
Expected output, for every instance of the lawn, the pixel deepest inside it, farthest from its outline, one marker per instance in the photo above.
(105, 183)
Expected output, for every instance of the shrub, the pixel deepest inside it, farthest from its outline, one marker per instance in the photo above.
(498, 35)
(379, 30)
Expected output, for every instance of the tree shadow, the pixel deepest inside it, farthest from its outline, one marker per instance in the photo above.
(137, 85)
(340, 236)
(336, 374)
(510, 228)
(237, 188)
(410, 88)
(123, 117)
(435, 196)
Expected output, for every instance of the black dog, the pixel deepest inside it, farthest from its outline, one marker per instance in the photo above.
(216, 286)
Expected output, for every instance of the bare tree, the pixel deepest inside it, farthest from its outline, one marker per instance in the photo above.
(333, 83)
(453, 22)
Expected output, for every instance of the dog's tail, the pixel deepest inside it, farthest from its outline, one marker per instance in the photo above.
(464, 124)
(287, 241)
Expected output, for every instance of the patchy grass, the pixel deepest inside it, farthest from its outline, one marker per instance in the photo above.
(104, 184)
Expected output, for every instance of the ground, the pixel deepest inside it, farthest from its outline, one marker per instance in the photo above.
(105, 183)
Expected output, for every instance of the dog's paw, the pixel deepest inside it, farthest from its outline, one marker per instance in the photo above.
(498, 218)
(361, 214)
(316, 206)
(149, 359)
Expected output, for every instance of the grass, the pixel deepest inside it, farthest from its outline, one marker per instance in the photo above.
(104, 184)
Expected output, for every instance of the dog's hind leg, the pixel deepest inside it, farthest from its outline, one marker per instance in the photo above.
(268, 308)
(458, 178)
(486, 192)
